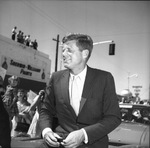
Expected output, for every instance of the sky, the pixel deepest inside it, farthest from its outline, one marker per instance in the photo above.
(125, 22)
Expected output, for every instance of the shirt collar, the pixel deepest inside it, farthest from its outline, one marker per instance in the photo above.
(81, 75)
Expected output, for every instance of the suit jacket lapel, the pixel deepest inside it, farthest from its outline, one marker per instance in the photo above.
(83, 100)
(65, 91)
(65, 86)
(87, 87)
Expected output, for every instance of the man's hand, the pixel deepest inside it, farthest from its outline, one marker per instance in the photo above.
(51, 139)
(74, 139)
(41, 92)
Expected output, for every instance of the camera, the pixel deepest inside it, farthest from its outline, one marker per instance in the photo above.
(59, 140)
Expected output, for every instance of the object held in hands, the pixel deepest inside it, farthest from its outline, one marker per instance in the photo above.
(59, 140)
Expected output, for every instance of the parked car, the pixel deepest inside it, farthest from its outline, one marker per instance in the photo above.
(134, 129)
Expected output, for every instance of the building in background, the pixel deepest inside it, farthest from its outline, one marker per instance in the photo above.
(31, 66)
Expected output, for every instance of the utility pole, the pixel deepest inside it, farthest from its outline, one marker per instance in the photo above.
(57, 45)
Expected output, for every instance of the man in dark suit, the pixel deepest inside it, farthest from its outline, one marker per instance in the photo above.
(5, 138)
(84, 120)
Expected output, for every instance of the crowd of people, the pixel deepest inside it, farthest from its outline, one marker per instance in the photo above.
(23, 39)
(23, 115)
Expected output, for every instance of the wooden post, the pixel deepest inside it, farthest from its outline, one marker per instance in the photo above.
(57, 45)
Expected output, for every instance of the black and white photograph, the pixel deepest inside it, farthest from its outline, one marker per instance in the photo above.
(74, 74)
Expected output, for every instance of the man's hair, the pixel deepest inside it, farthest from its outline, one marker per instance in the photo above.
(83, 41)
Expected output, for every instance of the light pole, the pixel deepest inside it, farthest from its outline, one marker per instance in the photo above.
(56, 58)
(111, 46)
(103, 42)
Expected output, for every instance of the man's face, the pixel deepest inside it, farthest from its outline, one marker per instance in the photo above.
(72, 56)
(14, 83)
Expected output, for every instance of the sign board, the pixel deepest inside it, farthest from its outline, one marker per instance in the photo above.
(23, 69)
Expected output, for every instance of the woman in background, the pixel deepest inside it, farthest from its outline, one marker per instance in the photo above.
(23, 116)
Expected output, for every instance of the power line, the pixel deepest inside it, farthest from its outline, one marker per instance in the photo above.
(46, 16)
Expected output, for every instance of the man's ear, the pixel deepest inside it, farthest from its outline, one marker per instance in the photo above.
(85, 53)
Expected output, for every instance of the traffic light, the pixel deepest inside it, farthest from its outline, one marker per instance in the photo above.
(112, 49)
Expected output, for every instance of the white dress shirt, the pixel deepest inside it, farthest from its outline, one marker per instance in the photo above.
(80, 78)
(80, 82)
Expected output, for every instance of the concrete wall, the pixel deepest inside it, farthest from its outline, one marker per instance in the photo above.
(23, 61)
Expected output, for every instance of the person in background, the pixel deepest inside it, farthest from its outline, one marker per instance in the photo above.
(31, 44)
(137, 116)
(82, 98)
(34, 129)
(35, 44)
(5, 138)
(19, 36)
(27, 40)
(22, 116)
(23, 107)
(22, 37)
(10, 96)
(13, 37)
(26, 110)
